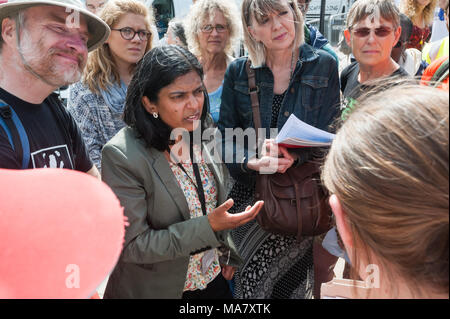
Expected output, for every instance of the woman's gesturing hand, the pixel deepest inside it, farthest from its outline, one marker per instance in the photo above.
(220, 219)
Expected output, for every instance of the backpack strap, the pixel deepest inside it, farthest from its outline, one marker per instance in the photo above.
(15, 131)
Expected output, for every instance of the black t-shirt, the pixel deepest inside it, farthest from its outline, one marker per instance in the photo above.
(55, 140)
(350, 85)
(352, 89)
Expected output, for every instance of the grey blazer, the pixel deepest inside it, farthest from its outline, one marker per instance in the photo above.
(161, 235)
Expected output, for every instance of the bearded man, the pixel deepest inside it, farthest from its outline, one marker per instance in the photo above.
(43, 46)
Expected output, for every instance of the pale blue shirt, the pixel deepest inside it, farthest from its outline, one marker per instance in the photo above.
(215, 98)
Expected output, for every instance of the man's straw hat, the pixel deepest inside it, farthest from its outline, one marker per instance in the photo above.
(98, 29)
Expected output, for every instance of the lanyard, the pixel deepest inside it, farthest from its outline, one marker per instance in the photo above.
(198, 185)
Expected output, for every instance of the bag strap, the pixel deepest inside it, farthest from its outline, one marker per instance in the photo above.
(15, 131)
(253, 91)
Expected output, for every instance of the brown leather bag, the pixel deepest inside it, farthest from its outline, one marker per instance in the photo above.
(294, 202)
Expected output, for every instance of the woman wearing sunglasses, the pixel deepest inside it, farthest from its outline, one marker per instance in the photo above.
(97, 101)
(212, 29)
(373, 29)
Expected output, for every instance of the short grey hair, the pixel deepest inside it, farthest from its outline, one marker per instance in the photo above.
(203, 10)
(374, 9)
(259, 8)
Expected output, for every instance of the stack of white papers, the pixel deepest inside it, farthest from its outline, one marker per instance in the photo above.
(296, 133)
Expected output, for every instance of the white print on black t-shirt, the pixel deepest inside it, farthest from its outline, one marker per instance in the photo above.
(52, 157)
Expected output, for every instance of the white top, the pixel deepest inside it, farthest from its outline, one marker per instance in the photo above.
(412, 61)
(439, 29)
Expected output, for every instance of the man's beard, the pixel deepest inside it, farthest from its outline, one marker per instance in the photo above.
(46, 66)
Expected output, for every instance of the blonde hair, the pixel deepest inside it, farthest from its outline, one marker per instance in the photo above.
(411, 9)
(101, 70)
(204, 10)
(389, 167)
(259, 8)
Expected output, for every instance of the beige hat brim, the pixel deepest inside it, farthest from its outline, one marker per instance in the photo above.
(99, 31)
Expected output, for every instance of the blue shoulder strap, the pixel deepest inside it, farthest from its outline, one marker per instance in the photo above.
(12, 125)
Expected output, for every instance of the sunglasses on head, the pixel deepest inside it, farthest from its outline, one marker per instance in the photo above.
(379, 32)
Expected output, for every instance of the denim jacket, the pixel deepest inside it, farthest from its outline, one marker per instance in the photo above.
(312, 95)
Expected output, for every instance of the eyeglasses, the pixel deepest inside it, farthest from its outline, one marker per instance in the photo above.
(379, 32)
(209, 28)
(128, 33)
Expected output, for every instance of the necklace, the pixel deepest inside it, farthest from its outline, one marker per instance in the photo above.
(280, 73)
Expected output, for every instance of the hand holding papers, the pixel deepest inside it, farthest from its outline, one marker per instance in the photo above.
(296, 133)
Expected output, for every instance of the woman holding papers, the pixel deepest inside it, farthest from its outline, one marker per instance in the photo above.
(291, 78)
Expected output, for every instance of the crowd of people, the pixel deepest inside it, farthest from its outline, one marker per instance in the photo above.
(190, 210)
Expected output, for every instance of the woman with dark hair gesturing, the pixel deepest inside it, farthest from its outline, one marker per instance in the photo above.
(177, 244)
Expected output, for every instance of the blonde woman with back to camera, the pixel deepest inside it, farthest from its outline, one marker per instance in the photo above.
(98, 100)
(388, 171)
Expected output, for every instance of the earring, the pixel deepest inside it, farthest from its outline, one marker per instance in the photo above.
(155, 115)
